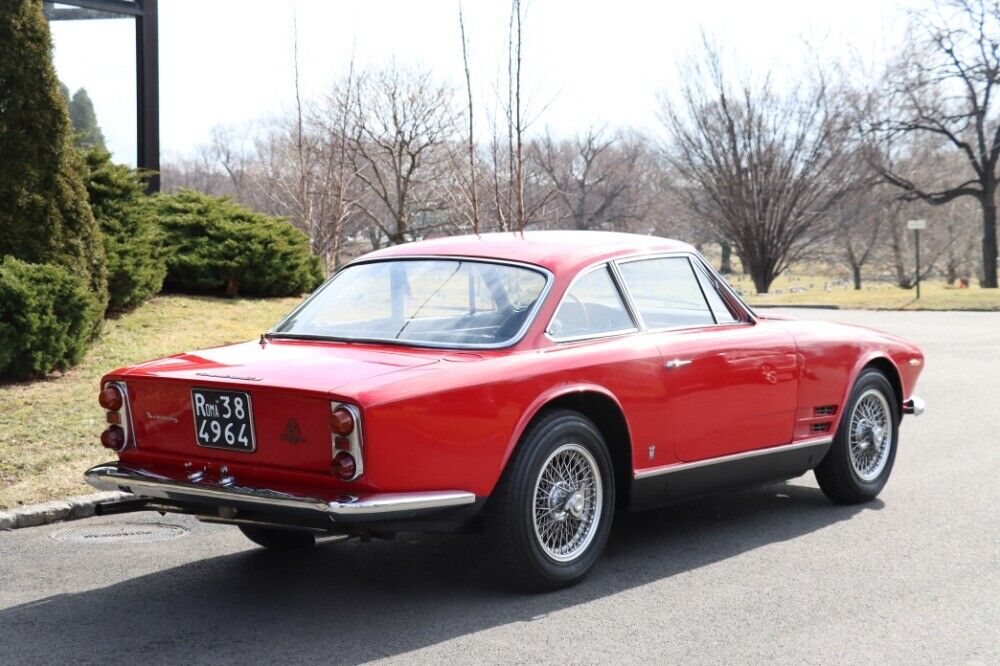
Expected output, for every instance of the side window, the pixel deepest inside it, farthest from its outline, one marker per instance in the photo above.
(666, 292)
(715, 302)
(592, 306)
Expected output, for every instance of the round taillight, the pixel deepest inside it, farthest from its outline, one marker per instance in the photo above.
(342, 422)
(111, 398)
(113, 438)
(343, 465)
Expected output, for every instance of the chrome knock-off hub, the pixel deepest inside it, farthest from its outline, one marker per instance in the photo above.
(575, 505)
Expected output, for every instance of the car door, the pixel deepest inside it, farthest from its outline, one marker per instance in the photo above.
(731, 383)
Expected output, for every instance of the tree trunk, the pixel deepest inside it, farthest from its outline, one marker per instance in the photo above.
(989, 240)
(726, 265)
(903, 279)
(762, 278)
(856, 270)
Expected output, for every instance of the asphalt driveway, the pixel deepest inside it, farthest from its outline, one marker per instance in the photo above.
(775, 574)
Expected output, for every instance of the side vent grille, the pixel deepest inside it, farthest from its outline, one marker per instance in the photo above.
(825, 410)
(819, 427)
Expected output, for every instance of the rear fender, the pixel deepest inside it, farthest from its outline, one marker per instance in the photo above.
(539, 403)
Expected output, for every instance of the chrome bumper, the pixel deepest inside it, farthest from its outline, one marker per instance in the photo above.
(914, 406)
(115, 476)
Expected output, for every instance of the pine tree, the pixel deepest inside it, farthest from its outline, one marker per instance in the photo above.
(81, 112)
(44, 213)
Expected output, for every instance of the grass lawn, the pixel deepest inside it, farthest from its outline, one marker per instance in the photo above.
(823, 290)
(49, 429)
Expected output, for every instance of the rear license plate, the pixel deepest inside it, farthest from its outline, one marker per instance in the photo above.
(223, 419)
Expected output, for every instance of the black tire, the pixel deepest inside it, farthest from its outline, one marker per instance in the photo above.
(836, 474)
(522, 559)
(275, 538)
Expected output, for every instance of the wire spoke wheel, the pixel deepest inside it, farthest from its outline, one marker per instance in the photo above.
(870, 435)
(568, 498)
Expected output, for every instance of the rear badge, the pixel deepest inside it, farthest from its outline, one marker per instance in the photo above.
(292, 434)
(150, 416)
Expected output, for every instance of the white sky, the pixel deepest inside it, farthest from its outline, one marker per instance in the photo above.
(228, 62)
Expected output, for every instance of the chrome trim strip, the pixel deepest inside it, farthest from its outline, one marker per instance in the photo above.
(127, 424)
(626, 295)
(720, 281)
(678, 467)
(593, 336)
(114, 476)
(915, 405)
(356, 438)
(518, 337)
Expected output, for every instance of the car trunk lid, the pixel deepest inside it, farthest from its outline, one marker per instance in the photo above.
(287, 387)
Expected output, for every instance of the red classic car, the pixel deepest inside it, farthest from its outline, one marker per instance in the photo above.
(524, 384)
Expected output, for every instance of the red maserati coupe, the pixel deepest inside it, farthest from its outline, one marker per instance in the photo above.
(524, 384)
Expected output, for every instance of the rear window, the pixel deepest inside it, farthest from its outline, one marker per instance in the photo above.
(438, 302)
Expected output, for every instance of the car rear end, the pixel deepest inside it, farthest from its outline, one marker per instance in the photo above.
(235, 451)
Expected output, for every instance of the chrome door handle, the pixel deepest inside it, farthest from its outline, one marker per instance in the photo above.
(677, 363)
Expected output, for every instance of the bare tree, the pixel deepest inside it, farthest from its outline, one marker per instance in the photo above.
(860, 218)
(934, 246)
(198, 171)
(403, 124)
(471, 189)
(518, 194)
(958, 225)
(600, 179)
(298, 167)
(515, 122)
(343, 185)
(762, 168)
(943, 87)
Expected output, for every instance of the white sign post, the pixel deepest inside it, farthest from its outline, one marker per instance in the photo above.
(916, 226)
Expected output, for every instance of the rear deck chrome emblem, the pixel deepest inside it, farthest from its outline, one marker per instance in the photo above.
(222, 376)
(150, 416)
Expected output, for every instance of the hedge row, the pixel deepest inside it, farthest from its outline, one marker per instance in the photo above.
(216, 246)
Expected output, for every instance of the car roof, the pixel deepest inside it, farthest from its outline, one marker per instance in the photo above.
(559, 251)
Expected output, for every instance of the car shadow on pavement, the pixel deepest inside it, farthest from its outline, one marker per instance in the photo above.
(351, 602)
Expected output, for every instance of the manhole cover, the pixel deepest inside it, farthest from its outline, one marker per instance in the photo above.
(120, 533)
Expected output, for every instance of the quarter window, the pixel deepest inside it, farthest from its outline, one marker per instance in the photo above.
(719, 307)
(666, 292)
(591, 307)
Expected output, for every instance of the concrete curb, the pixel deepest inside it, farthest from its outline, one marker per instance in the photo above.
(72, 508)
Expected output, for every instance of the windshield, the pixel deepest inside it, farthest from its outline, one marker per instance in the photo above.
(434, 302)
